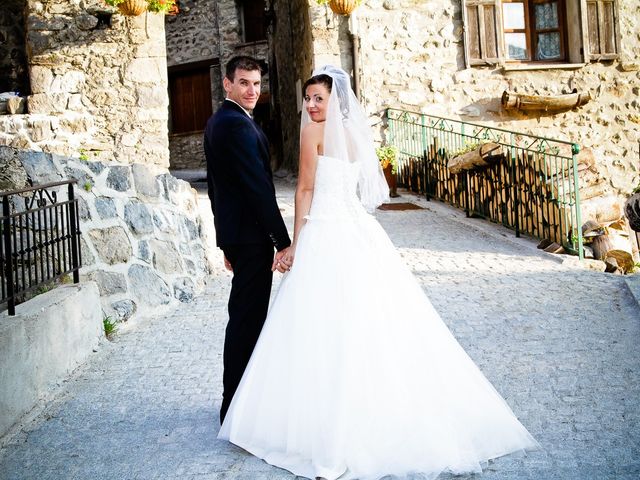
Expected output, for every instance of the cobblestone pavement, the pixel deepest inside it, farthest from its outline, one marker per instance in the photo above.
(561, 343)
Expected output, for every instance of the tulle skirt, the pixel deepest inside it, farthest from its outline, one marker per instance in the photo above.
(355, 376)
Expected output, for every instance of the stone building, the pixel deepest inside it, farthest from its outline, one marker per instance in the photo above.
(94, 83)
(455, 58)
(452, 58)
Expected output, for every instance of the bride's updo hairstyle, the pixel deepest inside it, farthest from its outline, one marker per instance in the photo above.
(320, 79)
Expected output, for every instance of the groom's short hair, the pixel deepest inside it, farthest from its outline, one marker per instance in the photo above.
(241, 62)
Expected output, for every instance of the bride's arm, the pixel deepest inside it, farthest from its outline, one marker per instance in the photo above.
(310, 141)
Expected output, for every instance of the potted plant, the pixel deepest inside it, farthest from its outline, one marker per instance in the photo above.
(133, 8)
(388, 157)
(341, 7)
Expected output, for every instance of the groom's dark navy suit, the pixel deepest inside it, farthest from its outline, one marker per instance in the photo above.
(248, 226)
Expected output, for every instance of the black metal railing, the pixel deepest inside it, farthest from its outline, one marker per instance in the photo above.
(40, 239)
(531, 187)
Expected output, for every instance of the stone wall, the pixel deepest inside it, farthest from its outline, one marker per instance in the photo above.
(98, 84)
(187, 151)
(142, 238)
(193, 34)
(98, 113)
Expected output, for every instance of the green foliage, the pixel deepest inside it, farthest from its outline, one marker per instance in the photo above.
(110, 327)
(83, 155)
(44, 288)
(87, 186)
(636, 190)
(469, 146)
(388, 155)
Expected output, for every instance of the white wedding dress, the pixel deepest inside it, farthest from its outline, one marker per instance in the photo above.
(355, 376)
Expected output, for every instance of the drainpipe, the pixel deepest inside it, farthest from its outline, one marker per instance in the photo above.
(355, 43)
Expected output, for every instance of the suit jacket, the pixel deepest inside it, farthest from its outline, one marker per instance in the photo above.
(240, 181)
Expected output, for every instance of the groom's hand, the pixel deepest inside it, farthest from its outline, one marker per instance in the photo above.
(283, 260)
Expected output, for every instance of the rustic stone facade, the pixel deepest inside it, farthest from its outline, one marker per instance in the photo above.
(98, 112)
(427, 37)
(98, 85)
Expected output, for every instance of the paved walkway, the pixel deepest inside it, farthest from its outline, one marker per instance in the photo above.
(562, 344)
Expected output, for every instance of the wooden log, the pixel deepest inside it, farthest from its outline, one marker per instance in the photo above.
(613, 246)
(482, 156)
(554, 248)
(594, 190)
(602, 209)
(591, 228)
(546, 103)
(611, 265)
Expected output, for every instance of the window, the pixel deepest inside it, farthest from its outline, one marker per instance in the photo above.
(543, 31)
(190, 97)
(534, 30)
(252, 20)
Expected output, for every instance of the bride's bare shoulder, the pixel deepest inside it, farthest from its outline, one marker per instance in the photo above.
(313, 131)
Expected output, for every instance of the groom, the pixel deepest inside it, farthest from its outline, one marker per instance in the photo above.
(246, 216)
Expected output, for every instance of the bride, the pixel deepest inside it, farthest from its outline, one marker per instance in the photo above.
(355, 376)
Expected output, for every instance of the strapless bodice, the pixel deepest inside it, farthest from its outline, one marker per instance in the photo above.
(335, 189)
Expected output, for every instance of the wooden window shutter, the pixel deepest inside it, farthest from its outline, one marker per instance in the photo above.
(482, 21)
(602, 29)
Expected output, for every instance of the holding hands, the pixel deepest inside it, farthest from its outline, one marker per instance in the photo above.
(283, 260)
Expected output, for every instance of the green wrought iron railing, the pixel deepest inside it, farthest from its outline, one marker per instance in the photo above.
(529, 184)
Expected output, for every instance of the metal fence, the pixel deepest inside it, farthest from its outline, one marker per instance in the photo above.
(40, 239)
(531, 186)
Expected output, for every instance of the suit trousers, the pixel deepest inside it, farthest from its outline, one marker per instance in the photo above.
(248, 305)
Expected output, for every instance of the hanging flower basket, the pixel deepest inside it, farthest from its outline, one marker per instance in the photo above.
(341, 7)
(132, 8)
